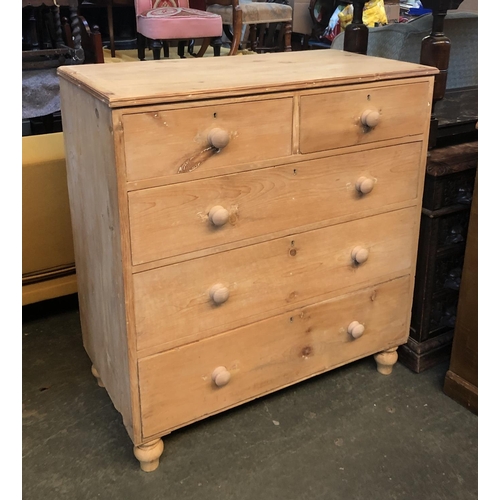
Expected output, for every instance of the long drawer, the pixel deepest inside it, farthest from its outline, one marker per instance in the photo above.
(334, 119)
(198, 298)
(176, 219)
(177, 386)
(157, 143)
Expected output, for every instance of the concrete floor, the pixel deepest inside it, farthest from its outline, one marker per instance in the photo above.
(349, 434)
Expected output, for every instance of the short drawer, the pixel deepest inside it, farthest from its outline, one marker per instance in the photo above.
(202, 297)
(177, 386)
(158, 143)
(181, 218)
(334, 119)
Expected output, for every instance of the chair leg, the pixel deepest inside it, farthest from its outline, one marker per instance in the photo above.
(111, 30)
(141, 46)
(156, 46)
(270, 38)
(253, 37)
(166, 50)
(181, 46)
(288, 37)
(217, 44)
(227, 31)
(281, 38)
(237, 31)
(204, 46)
(260, 47)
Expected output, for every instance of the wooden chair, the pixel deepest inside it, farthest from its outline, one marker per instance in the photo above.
(267, 15)
(159, 21)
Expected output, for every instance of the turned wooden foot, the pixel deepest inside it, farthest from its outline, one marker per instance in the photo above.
(96, 375)
(386, 360)
(149, 454)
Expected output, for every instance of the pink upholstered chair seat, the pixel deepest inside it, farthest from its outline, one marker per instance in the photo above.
(159, 21)
(179, 23)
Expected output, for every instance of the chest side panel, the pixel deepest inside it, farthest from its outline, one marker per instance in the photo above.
(95, 219)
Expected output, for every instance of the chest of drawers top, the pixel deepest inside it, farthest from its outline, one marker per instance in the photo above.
(158, 82)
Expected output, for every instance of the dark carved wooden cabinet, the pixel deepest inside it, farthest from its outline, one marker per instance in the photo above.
(448, 192)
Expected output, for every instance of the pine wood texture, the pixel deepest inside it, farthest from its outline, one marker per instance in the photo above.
(95, 219)
(176, 217)
(158, 142)
(132, 84)
(340, 122)
(284, 253)
(268, 355)
(173, 306)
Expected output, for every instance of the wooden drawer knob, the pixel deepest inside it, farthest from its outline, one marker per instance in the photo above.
(219, 293)
(359, 254)
(370, 118)
(218, 215)
(364, 185)
(218, 138)
(355, 329)
(221, 376)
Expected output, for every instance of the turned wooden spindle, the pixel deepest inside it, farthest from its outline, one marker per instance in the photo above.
(78, 52)
(435, 51)
(288, 37)
(359, 254)
(386, 360)
(356, 33)
(57, 25)
(97, 376)
(149, 454)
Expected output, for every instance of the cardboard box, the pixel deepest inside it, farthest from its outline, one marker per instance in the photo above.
(392, 12)
(301, 21)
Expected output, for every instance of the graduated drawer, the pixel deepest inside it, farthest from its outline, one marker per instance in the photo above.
(176, 386)
(174, 219)
(174, 305)
(157, 143)
(333, 119)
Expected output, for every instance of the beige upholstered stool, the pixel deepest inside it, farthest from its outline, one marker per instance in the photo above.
(267, 15)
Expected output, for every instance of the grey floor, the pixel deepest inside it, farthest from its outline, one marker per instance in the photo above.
(349, 434)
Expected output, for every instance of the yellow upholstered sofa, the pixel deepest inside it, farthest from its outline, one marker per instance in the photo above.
(47, 262)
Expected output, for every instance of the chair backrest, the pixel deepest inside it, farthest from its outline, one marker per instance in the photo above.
(144, 5)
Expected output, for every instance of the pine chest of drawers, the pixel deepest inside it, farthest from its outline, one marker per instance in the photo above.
(240, 224)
